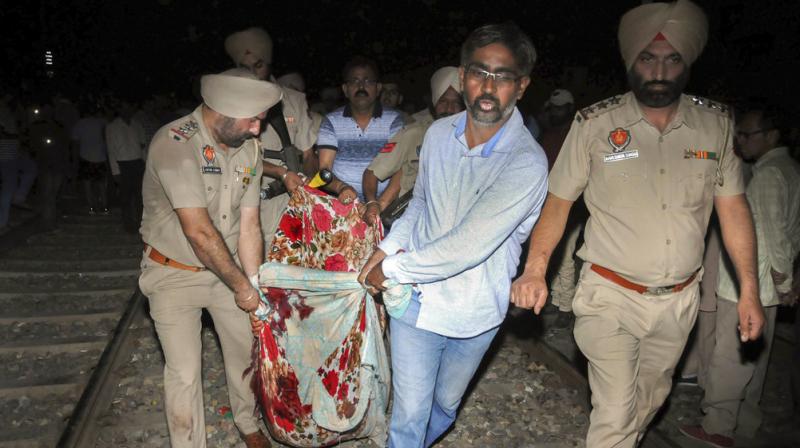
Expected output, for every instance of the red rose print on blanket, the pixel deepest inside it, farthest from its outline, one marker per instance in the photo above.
(341, 209)
(292, 227)
(322, 218)
(336, 263)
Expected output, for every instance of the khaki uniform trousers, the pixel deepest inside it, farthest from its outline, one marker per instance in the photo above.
(177, 298)
(271, 212)
(632, 342)
(701, 342)
(562, 286)
(736, 375)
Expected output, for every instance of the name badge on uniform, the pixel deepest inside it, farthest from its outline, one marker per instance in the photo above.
(616, 157)
(209, 156)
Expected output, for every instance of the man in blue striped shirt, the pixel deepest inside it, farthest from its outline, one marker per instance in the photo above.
(351, 136)
(481, 183)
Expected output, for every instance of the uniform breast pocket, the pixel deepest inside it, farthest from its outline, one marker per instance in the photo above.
(695, 184)
(627, 183)
(212, 188)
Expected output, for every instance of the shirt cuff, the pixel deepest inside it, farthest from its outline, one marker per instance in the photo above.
(390, 247)
(389, 267)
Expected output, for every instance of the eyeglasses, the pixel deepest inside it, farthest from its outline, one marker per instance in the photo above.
(366, 82)
(746, 135)
(503, 79)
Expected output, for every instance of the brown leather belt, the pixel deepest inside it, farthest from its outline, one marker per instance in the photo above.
(612, 276)
(160, 258)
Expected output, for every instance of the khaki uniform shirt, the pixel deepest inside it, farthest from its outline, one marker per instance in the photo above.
(649, 194)
(423, 117)
(401, 152)
(186, 168)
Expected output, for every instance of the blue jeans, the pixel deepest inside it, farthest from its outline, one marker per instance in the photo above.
(430, 373)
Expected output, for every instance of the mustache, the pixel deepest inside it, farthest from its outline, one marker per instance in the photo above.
(361, 93)
(486, 97)
(657, 83)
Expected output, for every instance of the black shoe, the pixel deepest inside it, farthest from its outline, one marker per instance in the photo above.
(564, 320)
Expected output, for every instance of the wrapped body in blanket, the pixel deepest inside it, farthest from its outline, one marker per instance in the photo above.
(322, 373)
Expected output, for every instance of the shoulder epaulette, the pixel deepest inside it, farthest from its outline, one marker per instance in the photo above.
(184, 132)
(600, 108)
(712, 106)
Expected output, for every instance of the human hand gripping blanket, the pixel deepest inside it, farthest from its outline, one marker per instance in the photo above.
(321, 370)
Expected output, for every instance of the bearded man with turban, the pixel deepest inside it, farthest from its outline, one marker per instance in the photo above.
(651, 165)
(399, 158)
(252, 49)
(202, 242)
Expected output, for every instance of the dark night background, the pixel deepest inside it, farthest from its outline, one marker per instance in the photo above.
(153, 46)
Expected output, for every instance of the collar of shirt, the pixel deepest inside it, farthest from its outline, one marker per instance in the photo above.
(490, 146)
(632, 112)
(377, 111)
(771, 154)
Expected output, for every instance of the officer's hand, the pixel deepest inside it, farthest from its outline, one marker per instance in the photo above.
(376, 258)
(529, 291)
(371, 214)
(347, 194)
(255, 324)
(751, 317)
(292, 181)
(247, 299)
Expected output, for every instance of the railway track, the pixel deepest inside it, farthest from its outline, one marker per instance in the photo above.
(81, 367)
(62, 294)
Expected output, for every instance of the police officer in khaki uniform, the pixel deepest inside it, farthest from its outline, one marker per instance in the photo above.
(252, 49)
(203, 241)
(651, 165)
(400, 156)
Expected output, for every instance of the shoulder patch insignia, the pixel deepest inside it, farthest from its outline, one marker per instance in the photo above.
(387, 148)
(599, 108)
(185, 131)
(712, 106)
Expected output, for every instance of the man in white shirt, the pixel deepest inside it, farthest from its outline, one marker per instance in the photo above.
(126, 142)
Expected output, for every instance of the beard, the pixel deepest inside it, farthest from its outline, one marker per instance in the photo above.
(647, 93)
(229, 135)
(492, 116)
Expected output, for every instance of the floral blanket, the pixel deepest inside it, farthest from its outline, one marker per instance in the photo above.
(322, 374)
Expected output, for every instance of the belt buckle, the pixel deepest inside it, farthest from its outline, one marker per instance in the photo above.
(659, 290)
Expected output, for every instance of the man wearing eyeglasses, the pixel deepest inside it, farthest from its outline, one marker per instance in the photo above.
(481, 183)
(351, 136)
(651, 164)
(736, 373)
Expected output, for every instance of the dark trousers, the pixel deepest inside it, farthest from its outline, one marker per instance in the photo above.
(130, 192)
(796, 361)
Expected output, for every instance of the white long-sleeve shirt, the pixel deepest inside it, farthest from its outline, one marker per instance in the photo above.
(125, 142)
